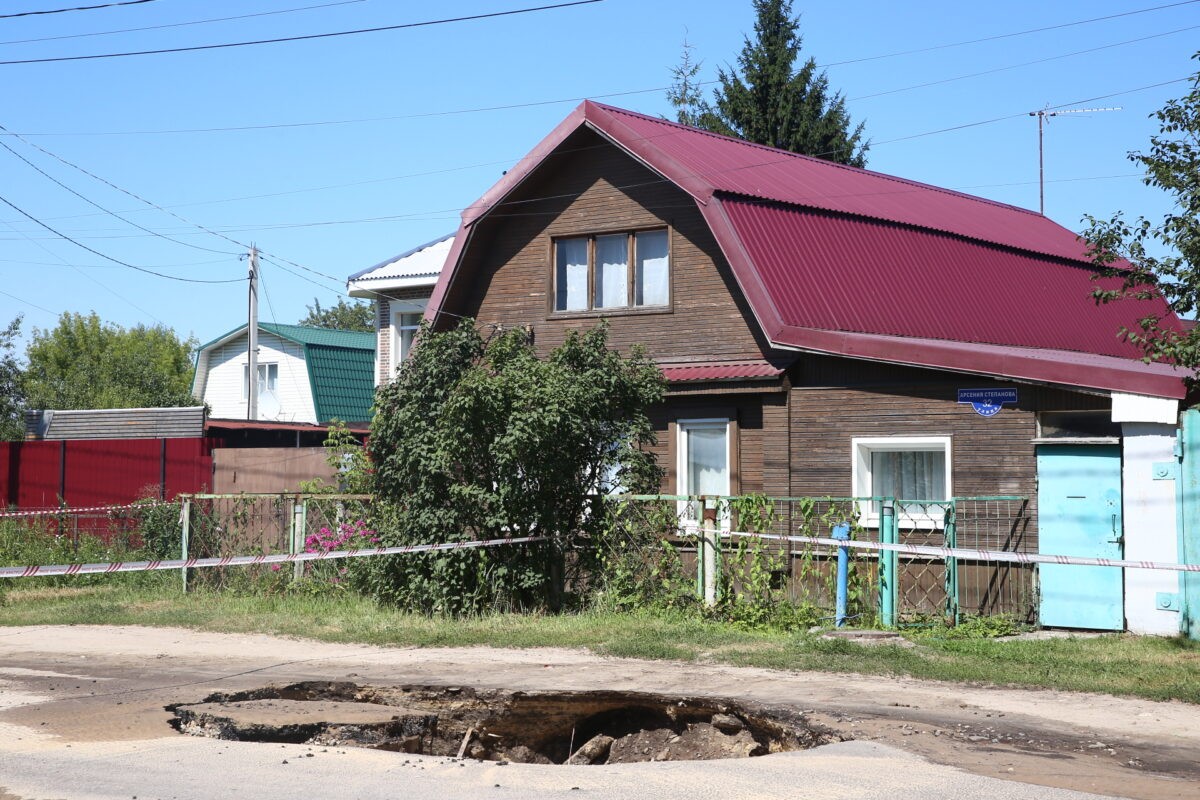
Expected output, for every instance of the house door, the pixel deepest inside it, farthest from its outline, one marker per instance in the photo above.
(1079, 514)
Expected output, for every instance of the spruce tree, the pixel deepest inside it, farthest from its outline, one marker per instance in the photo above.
(768, 101)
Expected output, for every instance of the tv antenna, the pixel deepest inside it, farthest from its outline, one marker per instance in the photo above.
(1043, 116)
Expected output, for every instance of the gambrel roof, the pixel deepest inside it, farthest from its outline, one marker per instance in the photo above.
(845, 261)
(340, 364)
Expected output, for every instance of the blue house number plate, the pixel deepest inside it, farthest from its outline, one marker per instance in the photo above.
(987, 402)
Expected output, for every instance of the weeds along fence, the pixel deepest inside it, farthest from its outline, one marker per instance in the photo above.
(885, 587)
(656, 548)
(220, 525)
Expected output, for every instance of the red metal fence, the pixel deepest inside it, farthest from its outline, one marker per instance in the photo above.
(93, 472)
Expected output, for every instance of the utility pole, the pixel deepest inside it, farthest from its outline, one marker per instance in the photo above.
(1042, 115)
(252, 343)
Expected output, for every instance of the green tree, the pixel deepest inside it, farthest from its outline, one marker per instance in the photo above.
(12, 401)
(482, 439)
(1160, 259)
(768, 100)
(86, 363)
(343, 317)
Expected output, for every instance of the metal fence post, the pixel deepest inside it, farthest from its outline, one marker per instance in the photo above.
(951, 530)
(887, 564)
(185, 525)
(841, 532)
(708, 554)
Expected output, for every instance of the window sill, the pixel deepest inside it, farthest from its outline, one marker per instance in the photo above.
(622, 311)
(1078, 440)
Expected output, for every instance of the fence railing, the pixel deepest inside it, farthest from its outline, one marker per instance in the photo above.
(899, 588)
(220, 525)
(894, 588)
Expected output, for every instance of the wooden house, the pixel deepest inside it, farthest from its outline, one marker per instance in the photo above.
(828, 330)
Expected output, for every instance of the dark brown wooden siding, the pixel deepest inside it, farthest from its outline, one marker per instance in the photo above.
(835, 400)
(746, 410)
(590, 187)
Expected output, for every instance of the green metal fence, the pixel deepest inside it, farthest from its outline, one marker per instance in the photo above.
(893, 589)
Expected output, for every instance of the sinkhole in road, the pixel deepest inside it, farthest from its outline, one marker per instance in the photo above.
(537, 727)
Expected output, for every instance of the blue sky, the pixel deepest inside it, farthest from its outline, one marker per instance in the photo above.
(222, 138)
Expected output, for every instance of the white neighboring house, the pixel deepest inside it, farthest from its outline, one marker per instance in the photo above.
(305, 375)
(401, 287)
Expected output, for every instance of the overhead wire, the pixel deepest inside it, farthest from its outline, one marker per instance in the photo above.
(535, 103)
(299, 38)
(93, 251)
(1018, 115)
(76, 8)
(1006, 35)
(1022, 64)
(104, 210)
(28, 303)
(190, 22)
(101, 284)
(426, 214)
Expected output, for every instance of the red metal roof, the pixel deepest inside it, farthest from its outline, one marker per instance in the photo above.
(721, 164)
(720, 371)
(846, 273)
(857, 263)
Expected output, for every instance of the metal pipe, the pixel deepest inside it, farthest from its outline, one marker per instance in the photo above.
(887, 565)
(185, 527)
(842, 533)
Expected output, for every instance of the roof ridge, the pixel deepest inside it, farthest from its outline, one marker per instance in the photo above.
(812, 159)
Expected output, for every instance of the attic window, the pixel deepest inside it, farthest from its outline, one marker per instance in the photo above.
(612, 271)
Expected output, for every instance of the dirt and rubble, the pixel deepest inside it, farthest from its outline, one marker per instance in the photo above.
(539, 727)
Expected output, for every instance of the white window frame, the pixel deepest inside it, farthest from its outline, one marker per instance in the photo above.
(687, 514)
(590, 305)
(398, 351)
(265, 368)
(861, 449)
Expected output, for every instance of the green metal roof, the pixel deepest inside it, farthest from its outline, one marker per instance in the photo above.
(324, 336)
(343, 381)
(341, 368)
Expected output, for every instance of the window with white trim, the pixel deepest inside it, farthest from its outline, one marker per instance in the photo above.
(268, 379)
(612, 271)
(908, 468)
(703, 459)
(404, 329)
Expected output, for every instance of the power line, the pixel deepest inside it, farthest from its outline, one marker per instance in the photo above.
(590, 147)
(300, 38)
(1026, 113)
(76, 8)
(94, 204)
(427, 213)
(61, 235)
(101, 284)
(184, 24)
(1022, 64)
(1004, 35)
(26, 302)
(360, 120)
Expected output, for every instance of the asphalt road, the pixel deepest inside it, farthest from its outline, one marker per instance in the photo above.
(82, 716)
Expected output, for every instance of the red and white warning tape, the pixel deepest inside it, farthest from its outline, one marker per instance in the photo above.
(56, 512)
(229, 561)
(972, 555)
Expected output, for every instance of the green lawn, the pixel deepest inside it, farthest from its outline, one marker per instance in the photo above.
(1154, 668)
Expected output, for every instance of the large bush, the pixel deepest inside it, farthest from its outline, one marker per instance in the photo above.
(481, 439)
